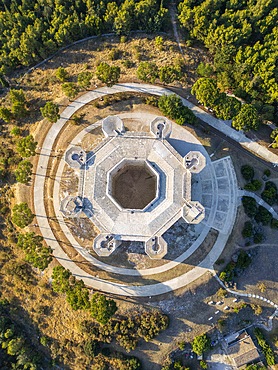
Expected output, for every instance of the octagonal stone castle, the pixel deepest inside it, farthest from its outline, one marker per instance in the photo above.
(134, 186)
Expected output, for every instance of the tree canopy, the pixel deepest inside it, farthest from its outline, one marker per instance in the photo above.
(50, 111)
(172, 107)
(108, 74)
(242, 37)
(247, 118)
(102, 308)
(35, 252)
(22, 215)
(26, 146)
(31, 30)
(23, 172)
(200, 344)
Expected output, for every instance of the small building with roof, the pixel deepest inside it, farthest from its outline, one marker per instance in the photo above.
(241, 350)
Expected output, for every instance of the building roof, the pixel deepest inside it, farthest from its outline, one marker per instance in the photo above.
(243, 351)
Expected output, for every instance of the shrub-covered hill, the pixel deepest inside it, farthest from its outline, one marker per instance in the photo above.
(32, 29)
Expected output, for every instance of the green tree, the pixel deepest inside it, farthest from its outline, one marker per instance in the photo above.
(274, 137)
(60, 277)
(247, 231)
(84, 79)
(102, 308)
(254, 185)
(61, 74)
(35, 253)
(206, 91)
(50, 111)
(204, 69)
(172, 107)
(263, 216)
(22, 215)
(247, 118)
(70, 89)
(18, 100)
(200, 344)
(147, 72)
(78, 296)
(247, 172)
(270, 194)
(23, 172)
(169, 74)
(108, 74)
(5, 114)
(226, 107)
(26, 146)
(250, 206)
(15, 131)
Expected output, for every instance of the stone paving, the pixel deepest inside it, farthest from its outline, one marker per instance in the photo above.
(224, 224)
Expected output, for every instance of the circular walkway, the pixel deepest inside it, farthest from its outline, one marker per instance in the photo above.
(61, 256)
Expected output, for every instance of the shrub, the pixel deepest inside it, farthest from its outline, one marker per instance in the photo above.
(274, 223)
(15, 131)
(61, 74)
(171, 106)
(203, 364)
(247, 172)
(254, 185)
(147, 72)
(247, 231)
(200, 344)
(263, 215)
(70, 89)
(250, 206)
(258, 238)
(269, 194)
(108, 74)
(22, 215)
(181, 345)
(267, 172)
(267, 350)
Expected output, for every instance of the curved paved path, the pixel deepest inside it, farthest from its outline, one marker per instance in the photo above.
(259, 200)
(255, 296)
(148, 290)
(181, 135)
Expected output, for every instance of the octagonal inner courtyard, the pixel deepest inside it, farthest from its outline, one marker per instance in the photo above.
(134, 185)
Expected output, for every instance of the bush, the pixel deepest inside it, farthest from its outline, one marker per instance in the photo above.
(204, 69)
(247, 231)
(274, 223)
(84, 79)
(114, 54)
(147, 72)
(203, 364)
(267, 172)
(172, 107)
(263, 215)
(70, 89)
(254, 185)
(243, 260)
(102, 309)
(61, 74)
(200, 344)
(250, 206)
(247, 172)
(269, 194)
(258, 238)
(268, 352)
(108, 74)
(22, 215)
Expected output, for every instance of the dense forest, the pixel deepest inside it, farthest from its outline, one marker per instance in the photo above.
(242, 38)
(31, 30)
